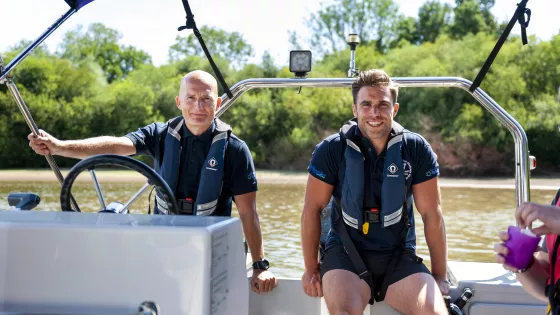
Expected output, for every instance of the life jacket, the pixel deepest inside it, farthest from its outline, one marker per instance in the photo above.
(393, 188)
(211, 176)
(553, 284)
(394, 206)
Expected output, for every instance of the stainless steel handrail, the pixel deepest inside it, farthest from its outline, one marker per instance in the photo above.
(35, 130)
(522, 184)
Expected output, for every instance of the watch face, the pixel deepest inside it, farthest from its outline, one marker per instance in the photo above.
(261, 264)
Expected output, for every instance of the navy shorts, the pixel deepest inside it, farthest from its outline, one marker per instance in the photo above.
(335, 257)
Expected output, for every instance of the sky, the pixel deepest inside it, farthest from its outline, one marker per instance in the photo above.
(151, 25)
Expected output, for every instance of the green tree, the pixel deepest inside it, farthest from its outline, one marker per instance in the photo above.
(164, 82)
(267, 63)
(102, 44)
(230, 46)
(472, 16)
(375, 21)
(281, 126)
(63, 99)
(407, 33)
(433, 18)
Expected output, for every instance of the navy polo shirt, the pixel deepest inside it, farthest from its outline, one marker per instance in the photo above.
(420, 166)
(239, 171)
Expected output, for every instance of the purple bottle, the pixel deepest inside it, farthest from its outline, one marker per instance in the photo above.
(522, 244)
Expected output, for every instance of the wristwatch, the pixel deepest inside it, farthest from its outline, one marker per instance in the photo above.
(261, 264)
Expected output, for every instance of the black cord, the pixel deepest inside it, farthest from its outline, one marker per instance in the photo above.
(518, 16)
(191, 24)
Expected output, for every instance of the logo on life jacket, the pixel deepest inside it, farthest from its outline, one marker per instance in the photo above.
(212, 162)
(392, 169)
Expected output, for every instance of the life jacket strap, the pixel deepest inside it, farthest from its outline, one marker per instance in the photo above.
(350, 248)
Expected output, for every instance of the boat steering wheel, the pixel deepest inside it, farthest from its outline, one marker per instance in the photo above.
(116, 160)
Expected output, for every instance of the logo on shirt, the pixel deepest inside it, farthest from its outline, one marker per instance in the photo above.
(316, 171)
(433, 172)
(212, 162)
(252, 176)
(407, 169)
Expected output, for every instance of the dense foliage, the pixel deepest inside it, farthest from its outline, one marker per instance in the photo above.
(93, 85)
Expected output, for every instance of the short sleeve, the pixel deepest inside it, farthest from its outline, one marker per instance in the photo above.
(425, 165)
(244, 179)
(145, 139)
(325, 160)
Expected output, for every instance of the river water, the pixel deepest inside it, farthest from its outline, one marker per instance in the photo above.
(473, 216)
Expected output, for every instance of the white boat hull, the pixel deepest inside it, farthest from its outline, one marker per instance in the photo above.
(496, 292)
(102, 263)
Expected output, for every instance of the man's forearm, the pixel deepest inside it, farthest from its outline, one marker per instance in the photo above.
(310, 237)
(81, 149)
(534, 280)
(252, 231)
(434, 229)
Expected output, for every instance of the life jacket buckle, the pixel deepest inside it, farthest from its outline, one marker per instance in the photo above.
(371, 215)
(186, 206)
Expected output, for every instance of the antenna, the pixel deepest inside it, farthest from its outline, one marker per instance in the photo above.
(353, 41)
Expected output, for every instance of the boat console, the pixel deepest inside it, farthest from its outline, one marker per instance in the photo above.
(106, 263)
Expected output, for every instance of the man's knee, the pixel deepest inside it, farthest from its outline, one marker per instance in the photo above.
(347, 305)
(345, 309)
(345, 292)
(416, 294)
(430, 300)
(434, 305)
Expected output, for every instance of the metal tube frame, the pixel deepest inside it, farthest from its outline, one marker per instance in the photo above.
(35, 130)
(8, 80)
(352, 72)
(522, 184)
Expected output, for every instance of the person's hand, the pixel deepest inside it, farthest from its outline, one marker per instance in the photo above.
(311, 281)
(44, 143)
(443, 284)
(502, 251)
(263, 281)
(528, 212)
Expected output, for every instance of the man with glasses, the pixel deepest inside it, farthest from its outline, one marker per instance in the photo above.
(204, 164)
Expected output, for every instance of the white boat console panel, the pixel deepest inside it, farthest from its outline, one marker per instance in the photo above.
(104, 263)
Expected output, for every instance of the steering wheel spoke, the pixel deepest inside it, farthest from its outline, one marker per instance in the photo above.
(97, 188)
(136, 196)
(153, 179)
